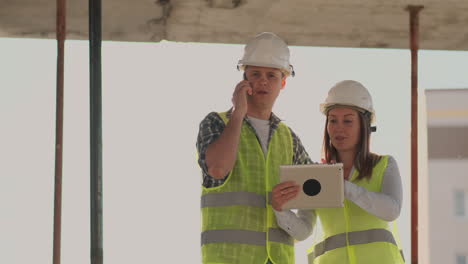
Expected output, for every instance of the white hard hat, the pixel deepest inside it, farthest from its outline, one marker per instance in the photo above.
(267, 50)
(349, 93)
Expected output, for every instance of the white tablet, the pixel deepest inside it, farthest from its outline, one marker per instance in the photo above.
(321, 185)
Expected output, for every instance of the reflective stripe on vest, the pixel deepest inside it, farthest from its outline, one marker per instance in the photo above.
(354, 238)
(246, 237)
(234, 198)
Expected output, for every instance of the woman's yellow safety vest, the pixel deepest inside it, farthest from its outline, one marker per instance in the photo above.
(354, 236)
(238, 222)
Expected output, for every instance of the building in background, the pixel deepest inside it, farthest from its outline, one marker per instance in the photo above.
(447, 182)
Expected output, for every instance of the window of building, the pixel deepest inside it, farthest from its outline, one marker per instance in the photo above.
(460, 203)
(461, 259)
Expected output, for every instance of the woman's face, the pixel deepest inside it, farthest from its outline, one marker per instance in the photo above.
(344, 128)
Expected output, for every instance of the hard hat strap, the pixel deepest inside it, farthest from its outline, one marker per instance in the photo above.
(368, 115)
(293, 73)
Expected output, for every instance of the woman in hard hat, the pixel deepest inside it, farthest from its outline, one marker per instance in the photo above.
(360, 232)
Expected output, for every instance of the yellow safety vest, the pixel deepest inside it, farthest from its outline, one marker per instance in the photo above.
(352, 235)
(238, 222)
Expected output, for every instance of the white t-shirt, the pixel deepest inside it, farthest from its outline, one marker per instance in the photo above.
(262, 128)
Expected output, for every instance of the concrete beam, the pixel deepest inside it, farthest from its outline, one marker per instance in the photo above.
(354, 23)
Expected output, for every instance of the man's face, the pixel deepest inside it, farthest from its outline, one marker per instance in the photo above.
(266, 85)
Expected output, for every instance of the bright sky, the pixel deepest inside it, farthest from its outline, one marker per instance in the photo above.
(155, 95)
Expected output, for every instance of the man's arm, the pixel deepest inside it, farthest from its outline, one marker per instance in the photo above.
(222, 153)
(300, 155)
(210, 129)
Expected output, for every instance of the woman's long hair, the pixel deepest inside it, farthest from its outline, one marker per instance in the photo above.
(365, 160)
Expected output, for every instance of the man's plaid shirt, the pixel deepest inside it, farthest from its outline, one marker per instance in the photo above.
(211, 128)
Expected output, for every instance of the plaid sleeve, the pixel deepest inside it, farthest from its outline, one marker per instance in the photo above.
(210, 129)
(300, 154)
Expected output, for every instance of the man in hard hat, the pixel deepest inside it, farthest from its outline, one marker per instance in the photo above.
(240, 152)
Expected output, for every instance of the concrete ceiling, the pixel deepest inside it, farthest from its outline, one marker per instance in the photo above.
(344, 23)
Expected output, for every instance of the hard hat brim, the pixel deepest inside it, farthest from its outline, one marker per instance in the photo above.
(243, 63)
(326, 107)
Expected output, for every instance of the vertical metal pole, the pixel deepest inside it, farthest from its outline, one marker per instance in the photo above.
(414, 45)
(60, 31)
(95, 131)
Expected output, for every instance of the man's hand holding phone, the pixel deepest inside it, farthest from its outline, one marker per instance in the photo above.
(239, 97)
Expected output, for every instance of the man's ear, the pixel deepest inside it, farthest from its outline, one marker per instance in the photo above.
(283, 83)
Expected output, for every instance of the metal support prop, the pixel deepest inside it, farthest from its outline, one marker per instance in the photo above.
(95, 131)
(414, 45)
(61, 32)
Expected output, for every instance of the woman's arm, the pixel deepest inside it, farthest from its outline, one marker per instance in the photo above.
(298, 226)
(385, 204)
